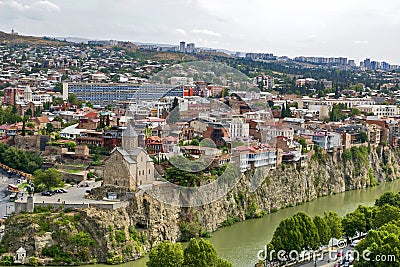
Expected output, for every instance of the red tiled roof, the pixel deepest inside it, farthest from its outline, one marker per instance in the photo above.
(91, 114)
(43, 119)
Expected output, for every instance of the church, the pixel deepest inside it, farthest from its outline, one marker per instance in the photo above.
(129, 166)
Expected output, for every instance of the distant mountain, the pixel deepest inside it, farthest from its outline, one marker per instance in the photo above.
(73, 39)
(11, 38)
(20, 39)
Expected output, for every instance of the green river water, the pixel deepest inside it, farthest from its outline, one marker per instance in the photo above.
(240, 242)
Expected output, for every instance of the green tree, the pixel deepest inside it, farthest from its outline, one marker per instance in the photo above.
(354, 223)
(166, 255)
(58, 88)
(335, 224)
(73, 99)
(324, 231)
(28, 112)
(386, 214)
(89, 104)
(363, 137)
(384, 241)
(337, 114)
(45, 180)
(296, 233)
(368, 214)
(49, 128)
(175, 104)
(389, 198)
(200, 254)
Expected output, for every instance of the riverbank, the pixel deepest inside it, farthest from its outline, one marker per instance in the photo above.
(127, 234)
(240, 242)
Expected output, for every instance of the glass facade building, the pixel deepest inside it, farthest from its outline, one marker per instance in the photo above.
(104, 94)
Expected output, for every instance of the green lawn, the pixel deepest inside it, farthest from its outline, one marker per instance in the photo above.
(73, 171)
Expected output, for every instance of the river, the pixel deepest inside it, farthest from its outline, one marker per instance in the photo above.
(240, 242)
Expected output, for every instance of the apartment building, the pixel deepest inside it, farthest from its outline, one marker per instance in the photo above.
(250, 157)
(104, 94)
(380, 110)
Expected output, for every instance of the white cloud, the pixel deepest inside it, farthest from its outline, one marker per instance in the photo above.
(286, 27)
(206, 32)
(35, 10)
(46, 5)
(181, 31)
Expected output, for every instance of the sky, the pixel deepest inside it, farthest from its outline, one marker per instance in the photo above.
(351, 28)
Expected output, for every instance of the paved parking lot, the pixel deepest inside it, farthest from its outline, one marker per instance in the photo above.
(75, 195)
(6, 207)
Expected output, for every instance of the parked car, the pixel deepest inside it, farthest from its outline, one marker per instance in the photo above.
(46, 194)
(354, 243)
(62, 190)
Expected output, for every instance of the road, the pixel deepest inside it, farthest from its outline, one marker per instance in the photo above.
(329, 260)
(5, 206)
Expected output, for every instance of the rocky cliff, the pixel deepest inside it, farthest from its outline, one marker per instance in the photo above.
(95, 235)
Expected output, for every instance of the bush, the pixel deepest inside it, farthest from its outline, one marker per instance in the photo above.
(57, 254)
(7, 261)
(230, 221)
(83, 239)
(120, 236)
(189, 230)
(33, 261)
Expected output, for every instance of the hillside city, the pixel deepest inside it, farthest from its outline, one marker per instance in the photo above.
(86, 125)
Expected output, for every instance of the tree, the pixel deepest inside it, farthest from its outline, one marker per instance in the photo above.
(324, 232)
(45, 180)
(386, 214)
(174, 104)
(389, 198)
(335, 224)
(166, 255)
(72, 99)
(384, 241)
(58, 87)
(49, 128)
(337, 114)
(28, 112)
(303, 144)
(23, 132)
(296, 233)
(200, 254)
(368, 214)
(14, 110)
(89, 104)
(58, 118)
(363, 137)
(354, 223)
(308, 230)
